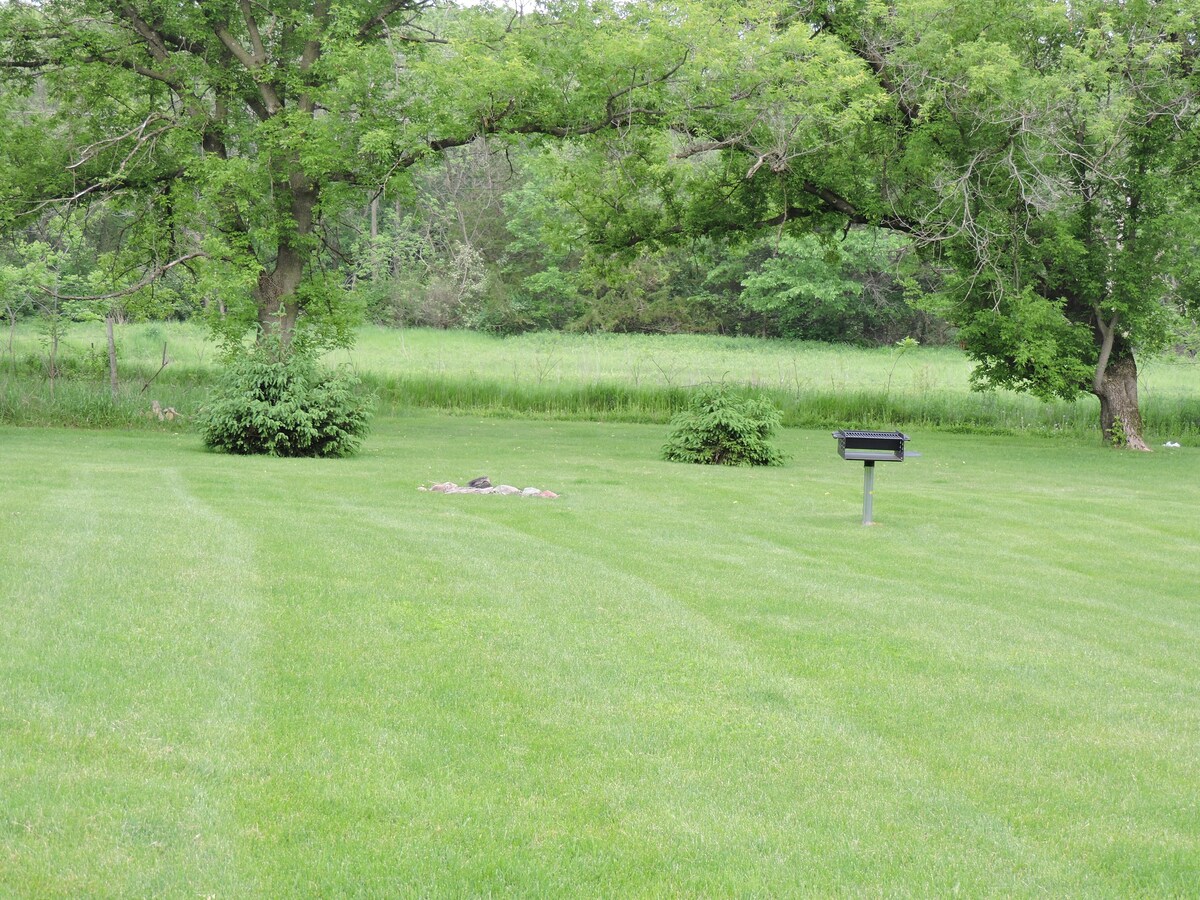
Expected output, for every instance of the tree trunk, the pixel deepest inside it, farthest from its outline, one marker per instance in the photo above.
(12, 333)
(275, 294)
(53, 358)
(112, 355)
(1120, 418)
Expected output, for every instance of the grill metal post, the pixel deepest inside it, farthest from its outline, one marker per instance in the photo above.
(868, 490)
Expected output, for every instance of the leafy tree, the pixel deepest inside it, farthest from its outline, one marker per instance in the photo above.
(836, 289)
(39, 276)
(1042, 155)
(1047, 153)
(234, 134)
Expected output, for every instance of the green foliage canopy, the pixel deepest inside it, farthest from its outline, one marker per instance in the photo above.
(233, 134)
(1042, 155)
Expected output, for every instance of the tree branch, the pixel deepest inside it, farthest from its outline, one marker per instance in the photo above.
(1108, 334)
(152, 276)
(646, 82)
(240, 53)
(152, 38)
(256, 44)
(878, 65)
(389, 9)
(706, 146)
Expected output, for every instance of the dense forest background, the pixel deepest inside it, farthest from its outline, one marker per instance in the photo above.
(486, 246)
(478, 240)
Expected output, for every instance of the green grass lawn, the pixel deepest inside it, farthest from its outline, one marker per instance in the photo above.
(253, 677)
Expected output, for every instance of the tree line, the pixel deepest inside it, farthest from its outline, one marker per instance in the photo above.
(1027, 171)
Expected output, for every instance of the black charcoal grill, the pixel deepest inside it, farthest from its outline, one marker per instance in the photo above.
(870, 447)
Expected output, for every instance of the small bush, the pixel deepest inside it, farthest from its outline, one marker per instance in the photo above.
(719, 428)
(284, 404)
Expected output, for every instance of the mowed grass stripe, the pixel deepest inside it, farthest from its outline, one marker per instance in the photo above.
(587, 646)
(125, 678)
(813, 714)
(1026, 594)
(672, 680)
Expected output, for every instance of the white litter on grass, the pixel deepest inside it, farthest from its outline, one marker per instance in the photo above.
(1171, 444)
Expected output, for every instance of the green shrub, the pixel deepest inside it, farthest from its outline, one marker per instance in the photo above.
(721, 428)
(284, 404)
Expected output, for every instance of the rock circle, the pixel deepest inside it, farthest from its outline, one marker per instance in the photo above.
(449, 487)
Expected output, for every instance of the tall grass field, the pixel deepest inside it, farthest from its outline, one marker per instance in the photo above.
(248, 677)
(628, 378)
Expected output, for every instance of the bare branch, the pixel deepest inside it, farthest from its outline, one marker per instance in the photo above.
(93, 150)
(706, 146)
(412, 39)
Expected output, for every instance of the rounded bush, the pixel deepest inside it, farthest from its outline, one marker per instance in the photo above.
(721, 428)
(284, 404)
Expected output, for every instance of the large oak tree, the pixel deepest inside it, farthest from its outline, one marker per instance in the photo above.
(231, 132)
(1044, 157)
(1047, 155)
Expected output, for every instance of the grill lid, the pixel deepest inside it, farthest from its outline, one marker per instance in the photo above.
(893, 435)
